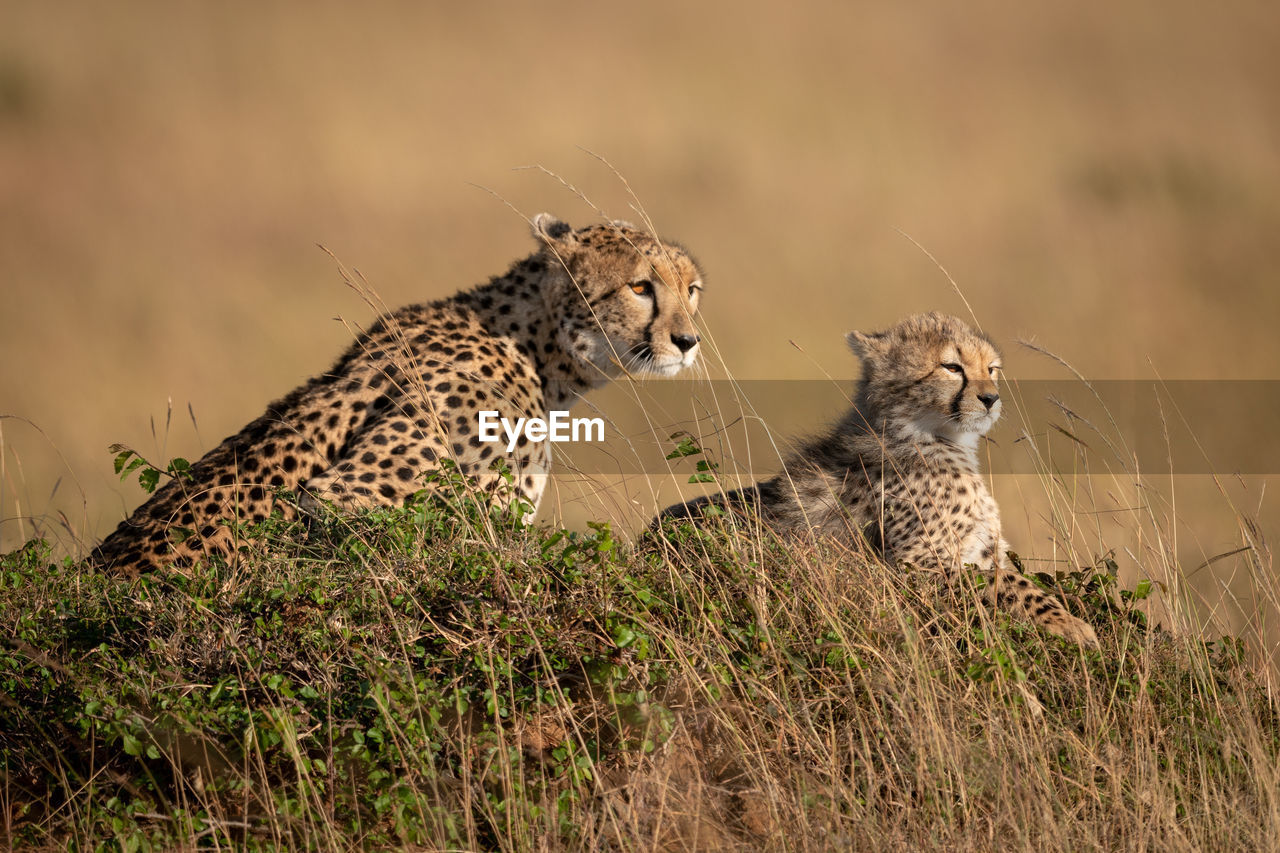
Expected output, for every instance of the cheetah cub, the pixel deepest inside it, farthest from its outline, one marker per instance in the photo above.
(902, 466)
(587, 306)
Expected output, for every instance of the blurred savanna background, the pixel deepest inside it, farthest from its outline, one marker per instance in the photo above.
(1103, 179)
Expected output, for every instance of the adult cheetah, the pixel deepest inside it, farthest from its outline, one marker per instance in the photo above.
(900, 470)
(587, 306)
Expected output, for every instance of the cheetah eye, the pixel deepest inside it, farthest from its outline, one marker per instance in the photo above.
(952, 367)
(643, 288)
(993, 370)
(694, 290)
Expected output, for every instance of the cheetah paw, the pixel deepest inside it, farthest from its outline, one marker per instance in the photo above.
(1076, 630)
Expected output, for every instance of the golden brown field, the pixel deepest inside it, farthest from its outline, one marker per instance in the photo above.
(1105, 180)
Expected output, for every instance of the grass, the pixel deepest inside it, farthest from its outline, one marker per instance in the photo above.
(443, 677)
(1097, 176)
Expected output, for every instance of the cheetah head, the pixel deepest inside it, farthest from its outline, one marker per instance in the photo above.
(931, 375)
(625, 300)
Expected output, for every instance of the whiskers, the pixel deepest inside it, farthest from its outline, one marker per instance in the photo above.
(638, 359)
(958, 427)
(642, 359)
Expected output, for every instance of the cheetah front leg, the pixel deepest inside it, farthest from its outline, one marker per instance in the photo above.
(1019, 595)
(1006, 589)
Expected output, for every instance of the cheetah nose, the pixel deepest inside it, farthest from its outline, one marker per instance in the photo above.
(989, 399)
(685, 342)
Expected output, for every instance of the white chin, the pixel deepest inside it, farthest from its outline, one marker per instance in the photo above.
(963, 431)
(979, 425)
(666, 367)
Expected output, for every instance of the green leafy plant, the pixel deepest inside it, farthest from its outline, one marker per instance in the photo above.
(128, 461)
(687, 446)
(446, 675)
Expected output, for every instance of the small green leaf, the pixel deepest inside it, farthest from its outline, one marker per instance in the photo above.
(132, 746)
(148, 478)
(685, 447)
(623, 636)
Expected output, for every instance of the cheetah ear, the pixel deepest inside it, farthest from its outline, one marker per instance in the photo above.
(622, 223)
(866, 346)
(549, 229)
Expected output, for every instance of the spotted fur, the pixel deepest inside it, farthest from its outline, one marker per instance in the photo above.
(586, 306)
(900, 471)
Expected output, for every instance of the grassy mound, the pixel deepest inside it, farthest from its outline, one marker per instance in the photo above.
(443, 677)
